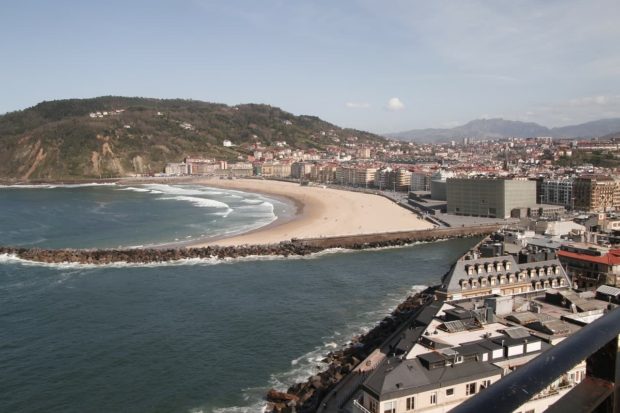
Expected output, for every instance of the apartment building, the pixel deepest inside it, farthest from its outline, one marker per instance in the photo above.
(591, 266)
(323, 173)
(176, 169)
(459, 351)
(420, 181)
(240, 169)
(355, 175)
(398, 179)
(596, 193)
(501, 276)
(300, 169)
(557, 191)
(275, 170)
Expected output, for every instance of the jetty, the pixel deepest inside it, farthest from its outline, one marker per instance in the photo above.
(294, 247)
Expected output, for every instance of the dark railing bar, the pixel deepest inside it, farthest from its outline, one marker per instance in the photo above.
(515, 389)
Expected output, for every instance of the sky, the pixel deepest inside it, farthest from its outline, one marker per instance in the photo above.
(381, 66)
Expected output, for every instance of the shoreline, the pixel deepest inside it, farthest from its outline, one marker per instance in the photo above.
(307, 395)
(320, 212)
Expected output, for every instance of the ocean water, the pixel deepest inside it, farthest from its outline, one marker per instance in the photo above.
(193, 337)
(110, 216)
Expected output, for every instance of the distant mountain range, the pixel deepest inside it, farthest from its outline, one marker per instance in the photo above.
(501, 128)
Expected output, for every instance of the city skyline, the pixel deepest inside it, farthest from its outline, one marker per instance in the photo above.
(373, 67)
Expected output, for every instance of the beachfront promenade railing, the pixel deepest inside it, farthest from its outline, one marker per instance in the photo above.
(597, 343)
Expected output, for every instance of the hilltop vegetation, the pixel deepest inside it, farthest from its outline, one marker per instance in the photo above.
(61, 140)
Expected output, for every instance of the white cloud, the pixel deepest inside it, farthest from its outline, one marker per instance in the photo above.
(592, 100)
(395, 104)
(357, 105)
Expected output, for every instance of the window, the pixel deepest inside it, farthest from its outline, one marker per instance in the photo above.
(373, 405)
(470, 389)
(450, 391)
(410, 403)
(389, 407)
(485, 384)
(434, 398)
(530, 411)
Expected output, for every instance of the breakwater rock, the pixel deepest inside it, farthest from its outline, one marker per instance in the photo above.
(294, 247)
(154, 255)
(305, 397)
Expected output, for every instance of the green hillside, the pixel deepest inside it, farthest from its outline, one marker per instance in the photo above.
(60, 140)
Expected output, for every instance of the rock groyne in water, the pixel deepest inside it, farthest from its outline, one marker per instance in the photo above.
(305, 397)
(289, 248)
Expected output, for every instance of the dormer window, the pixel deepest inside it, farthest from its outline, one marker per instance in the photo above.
(556, 269)
(469, 269)
(507, 265)
(493, 280)
(511, 278)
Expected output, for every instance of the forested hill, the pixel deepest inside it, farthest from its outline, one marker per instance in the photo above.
(118, 136)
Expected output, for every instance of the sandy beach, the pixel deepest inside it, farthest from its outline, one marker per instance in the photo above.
(321, 212)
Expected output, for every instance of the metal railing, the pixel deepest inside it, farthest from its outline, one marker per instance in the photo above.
(597, 343)
(360, 407)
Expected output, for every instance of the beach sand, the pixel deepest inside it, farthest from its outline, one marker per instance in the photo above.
(321, 212)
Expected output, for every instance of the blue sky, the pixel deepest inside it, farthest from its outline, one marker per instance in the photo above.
(382, 66)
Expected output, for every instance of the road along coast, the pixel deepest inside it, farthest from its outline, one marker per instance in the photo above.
(296, 247)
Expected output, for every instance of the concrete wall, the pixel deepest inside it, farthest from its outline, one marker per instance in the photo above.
(404, 236)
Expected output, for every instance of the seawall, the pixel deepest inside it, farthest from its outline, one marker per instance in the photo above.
(297, 247)
(356, 241)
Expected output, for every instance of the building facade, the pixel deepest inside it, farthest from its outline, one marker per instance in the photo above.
(557, 192)
(300, 170)
(323, 173)
(420, 181)
(590, 267)
(489, 197)
(596, 193)
(355, 175)
(393, 179)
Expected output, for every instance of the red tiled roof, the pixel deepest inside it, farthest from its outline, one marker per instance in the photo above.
(611, 258)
